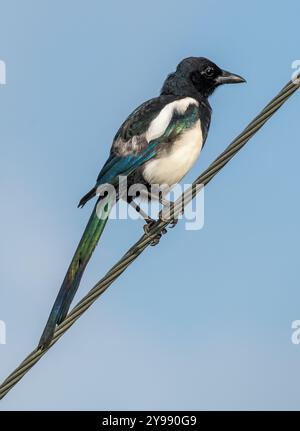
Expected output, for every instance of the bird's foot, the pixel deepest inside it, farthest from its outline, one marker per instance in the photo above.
(168, 218)
(173, 223)
(149, 223)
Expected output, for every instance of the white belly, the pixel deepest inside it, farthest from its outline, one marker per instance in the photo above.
(170, 169)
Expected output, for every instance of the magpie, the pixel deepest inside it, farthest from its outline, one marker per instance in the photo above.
(156, 145)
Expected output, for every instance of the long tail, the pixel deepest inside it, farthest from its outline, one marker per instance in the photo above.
(77, 266)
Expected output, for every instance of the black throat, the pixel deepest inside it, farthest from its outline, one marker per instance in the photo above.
(182, 86)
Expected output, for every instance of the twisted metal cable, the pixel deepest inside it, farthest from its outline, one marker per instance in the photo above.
(173, 212)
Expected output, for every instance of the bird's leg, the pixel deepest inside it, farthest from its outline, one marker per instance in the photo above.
(139, 210)
(165, 202)
(149, 221)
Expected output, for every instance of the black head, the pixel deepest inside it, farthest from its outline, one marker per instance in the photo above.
(200, 75)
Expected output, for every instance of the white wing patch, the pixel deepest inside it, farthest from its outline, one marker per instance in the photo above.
(160, 123)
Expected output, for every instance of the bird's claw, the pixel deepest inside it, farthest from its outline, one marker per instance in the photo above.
(173, 223)
(147, 227)
(150, 222)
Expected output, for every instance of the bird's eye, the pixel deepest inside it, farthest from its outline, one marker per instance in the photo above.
(209, 71)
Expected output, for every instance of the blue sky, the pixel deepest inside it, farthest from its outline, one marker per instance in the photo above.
(204, 320)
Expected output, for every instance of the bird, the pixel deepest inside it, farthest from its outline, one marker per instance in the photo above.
(157, 144)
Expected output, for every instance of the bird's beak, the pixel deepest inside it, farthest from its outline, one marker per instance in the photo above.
(229, 78)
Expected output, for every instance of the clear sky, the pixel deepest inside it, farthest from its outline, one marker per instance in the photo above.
(204, 320)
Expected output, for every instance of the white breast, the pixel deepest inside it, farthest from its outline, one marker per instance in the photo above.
(172, 167)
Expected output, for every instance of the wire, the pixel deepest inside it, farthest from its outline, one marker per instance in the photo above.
(145, 240)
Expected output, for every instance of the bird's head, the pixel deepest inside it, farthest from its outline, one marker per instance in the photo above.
(200, 75)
